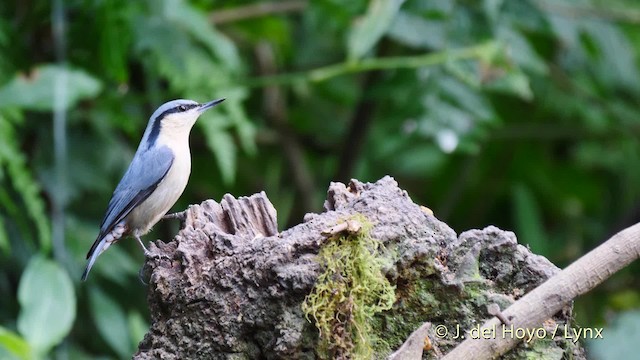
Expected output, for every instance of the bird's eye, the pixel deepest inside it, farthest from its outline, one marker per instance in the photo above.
(182, 108)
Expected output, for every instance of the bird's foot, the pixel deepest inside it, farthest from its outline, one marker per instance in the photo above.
(152, 255)
(180, 215)
(157, 255)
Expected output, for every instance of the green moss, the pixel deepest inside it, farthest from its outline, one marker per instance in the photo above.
(348, 294)
(543, 349)
(426, 298)
(416, 303)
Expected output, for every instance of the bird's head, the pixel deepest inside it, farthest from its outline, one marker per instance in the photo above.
(176, 117)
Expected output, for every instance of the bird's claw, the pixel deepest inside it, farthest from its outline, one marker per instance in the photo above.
(155, 256)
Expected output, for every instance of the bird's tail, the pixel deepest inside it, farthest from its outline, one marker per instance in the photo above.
(101, 244)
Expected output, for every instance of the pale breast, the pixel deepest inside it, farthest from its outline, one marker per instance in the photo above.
(150, 211)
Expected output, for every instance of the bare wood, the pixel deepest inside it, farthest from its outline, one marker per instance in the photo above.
(494, 310)
(229, 285)
(350, 226)
(412, 348)
(549, 298)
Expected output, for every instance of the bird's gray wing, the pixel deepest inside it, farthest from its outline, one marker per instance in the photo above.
(142, 177)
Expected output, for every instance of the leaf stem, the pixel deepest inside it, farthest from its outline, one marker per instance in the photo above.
(397, 62)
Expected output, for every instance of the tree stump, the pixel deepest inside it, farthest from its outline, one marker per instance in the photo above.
(230, 286)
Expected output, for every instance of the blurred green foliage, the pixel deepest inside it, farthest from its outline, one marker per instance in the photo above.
(522, 114)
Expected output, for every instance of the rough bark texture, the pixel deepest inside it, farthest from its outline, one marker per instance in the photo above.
(229, 286)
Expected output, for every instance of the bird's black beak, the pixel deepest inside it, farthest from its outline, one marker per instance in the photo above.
(206, 106)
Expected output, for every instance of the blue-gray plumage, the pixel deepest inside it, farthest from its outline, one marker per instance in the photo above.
(155, 178)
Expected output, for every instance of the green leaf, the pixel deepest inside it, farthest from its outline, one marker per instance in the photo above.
(528, 219)
(13, 159)
(223, 148)
(368, 30)
(417, 32)
(492, 52)
(420, 159)
(492, 9)
(522, 51)
(114, 37)
(514, 82)
(37, 90)
(5, 246)
(245, 128)
(509, 78)
(616, 71)
(111, 322)
(198, 26)
(47, 304)
(138, 327)
(122, 273)
(466, 98)
(12, 346)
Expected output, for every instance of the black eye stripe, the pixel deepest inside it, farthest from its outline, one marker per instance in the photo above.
(187, 107)
(155, 129)
(177, 109)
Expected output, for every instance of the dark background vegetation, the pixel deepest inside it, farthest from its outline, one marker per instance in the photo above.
(523, 114)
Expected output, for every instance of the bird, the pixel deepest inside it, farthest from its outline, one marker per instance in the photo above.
(155, 179)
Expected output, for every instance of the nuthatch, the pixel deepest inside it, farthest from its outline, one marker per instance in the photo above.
(155, 179)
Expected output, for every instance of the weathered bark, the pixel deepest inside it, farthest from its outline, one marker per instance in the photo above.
(542, 302)
(228, 286)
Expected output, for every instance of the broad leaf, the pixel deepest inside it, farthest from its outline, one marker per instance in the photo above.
(111, 321)
(368, 30)
(47, 304)
(199, 27)
(528, 219)
(5, 246)
(138, 327)
(514, 82)
(127, 265)
(415, 31)
(13, 159)
(37, 90)
(223, 148)
(12, 346)
(245, 128)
